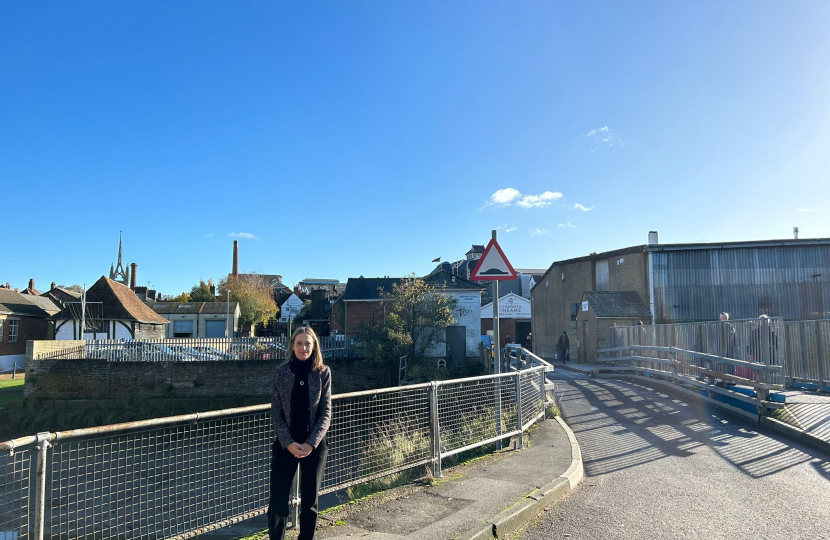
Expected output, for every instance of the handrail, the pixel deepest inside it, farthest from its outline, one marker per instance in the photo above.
(722, 359)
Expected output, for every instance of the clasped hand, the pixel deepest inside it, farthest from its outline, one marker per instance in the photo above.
(299, 450)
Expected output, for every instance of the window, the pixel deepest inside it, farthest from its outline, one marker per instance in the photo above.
(13, 327)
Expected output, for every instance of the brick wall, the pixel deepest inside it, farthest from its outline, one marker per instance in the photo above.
(553, 295)
(99, 379)
(29, 328)
(358, 314)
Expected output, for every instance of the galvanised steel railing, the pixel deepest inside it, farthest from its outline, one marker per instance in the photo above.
(189, 349)
(180, 476)
(760, 341)
(808, 354)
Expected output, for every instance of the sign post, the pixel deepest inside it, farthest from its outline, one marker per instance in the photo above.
(494, 266)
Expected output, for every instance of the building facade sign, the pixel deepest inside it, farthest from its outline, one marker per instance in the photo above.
(511, 306)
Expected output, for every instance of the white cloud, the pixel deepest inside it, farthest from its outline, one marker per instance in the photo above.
(805, 209)
(536, 230)
(511, 196)
(505, 228)
(209, 235)
(505, 196)
(566, 225)
(535, 201)
(607, 137)
(580, 207)
(246, 235)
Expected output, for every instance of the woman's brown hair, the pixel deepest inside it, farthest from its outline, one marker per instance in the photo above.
(316, 354)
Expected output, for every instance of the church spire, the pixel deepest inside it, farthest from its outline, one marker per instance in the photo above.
(120, 274)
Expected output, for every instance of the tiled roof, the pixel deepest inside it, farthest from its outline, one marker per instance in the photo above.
(26, 305)
(442, 278)
(616, 304)
(188, 308)
(368, 288)
(118, 302)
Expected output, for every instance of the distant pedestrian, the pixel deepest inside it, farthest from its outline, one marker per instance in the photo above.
(563, 347)
(301, 413)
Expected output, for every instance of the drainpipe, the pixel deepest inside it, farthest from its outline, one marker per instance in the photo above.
(652, 241)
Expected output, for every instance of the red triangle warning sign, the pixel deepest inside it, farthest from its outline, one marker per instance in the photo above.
(493, 265)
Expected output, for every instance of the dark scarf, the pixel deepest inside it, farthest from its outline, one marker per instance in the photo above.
(299, 400)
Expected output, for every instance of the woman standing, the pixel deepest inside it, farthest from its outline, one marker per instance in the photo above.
(301, 412)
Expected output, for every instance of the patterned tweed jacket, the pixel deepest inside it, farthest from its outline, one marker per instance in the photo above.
(319, 405)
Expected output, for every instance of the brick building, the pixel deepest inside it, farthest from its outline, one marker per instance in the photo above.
(23, 317)
(362, 303)
(514, 320)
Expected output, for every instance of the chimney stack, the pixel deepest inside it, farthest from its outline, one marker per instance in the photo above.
(31, 284)
(133, 266)
(795, 232)
(53, 286)
(652, 238)
(235, 271)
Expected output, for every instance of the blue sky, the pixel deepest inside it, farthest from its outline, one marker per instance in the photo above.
(367, 138)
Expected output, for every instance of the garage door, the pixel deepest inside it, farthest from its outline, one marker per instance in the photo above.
(214, 328)
(182, 328)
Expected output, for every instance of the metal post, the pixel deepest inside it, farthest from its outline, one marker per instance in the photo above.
(497, 351)
(544, 395)
(295, 499)
(435, 431)
(805, 365)
(519, 409)
(822, 373)
(14, 370)
(40, 484)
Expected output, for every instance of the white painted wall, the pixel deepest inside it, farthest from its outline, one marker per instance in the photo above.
(67, 330)
(294, 303)
(467, 313)
(8, 361)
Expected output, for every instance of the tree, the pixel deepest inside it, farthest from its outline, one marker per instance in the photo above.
(255, 297)
(184, 297)
(304, 313)
(75, 287)
(201, 292)
(416, 315)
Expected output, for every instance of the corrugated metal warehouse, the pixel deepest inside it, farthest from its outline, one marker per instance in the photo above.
(682, 283)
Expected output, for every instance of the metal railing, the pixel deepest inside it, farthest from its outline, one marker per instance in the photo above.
(715, 374)
(808, 354)
(180, 476)
(190, 350)
(751, 340)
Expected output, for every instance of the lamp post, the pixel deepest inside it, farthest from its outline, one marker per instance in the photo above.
(228, 314)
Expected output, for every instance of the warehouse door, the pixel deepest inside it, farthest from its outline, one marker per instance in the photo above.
(214, 329)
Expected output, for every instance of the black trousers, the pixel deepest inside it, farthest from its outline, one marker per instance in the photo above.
(283, 469)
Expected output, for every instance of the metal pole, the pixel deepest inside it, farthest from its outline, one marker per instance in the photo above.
(497, 351)
(83, 313)
(435, 431)
(40, 484)
(544, 380)
(295, 500)
(519, 409)
(822, 373)
(228, 315)
(14, 370)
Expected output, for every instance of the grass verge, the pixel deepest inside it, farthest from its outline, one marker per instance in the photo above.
(11, 392)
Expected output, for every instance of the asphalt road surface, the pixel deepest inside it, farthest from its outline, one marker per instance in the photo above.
(658, 467)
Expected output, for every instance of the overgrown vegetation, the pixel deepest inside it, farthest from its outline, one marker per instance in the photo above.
(415, 317)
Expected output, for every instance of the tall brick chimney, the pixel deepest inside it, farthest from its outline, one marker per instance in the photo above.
(133, 266)
(235, 271)
(31, 284)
